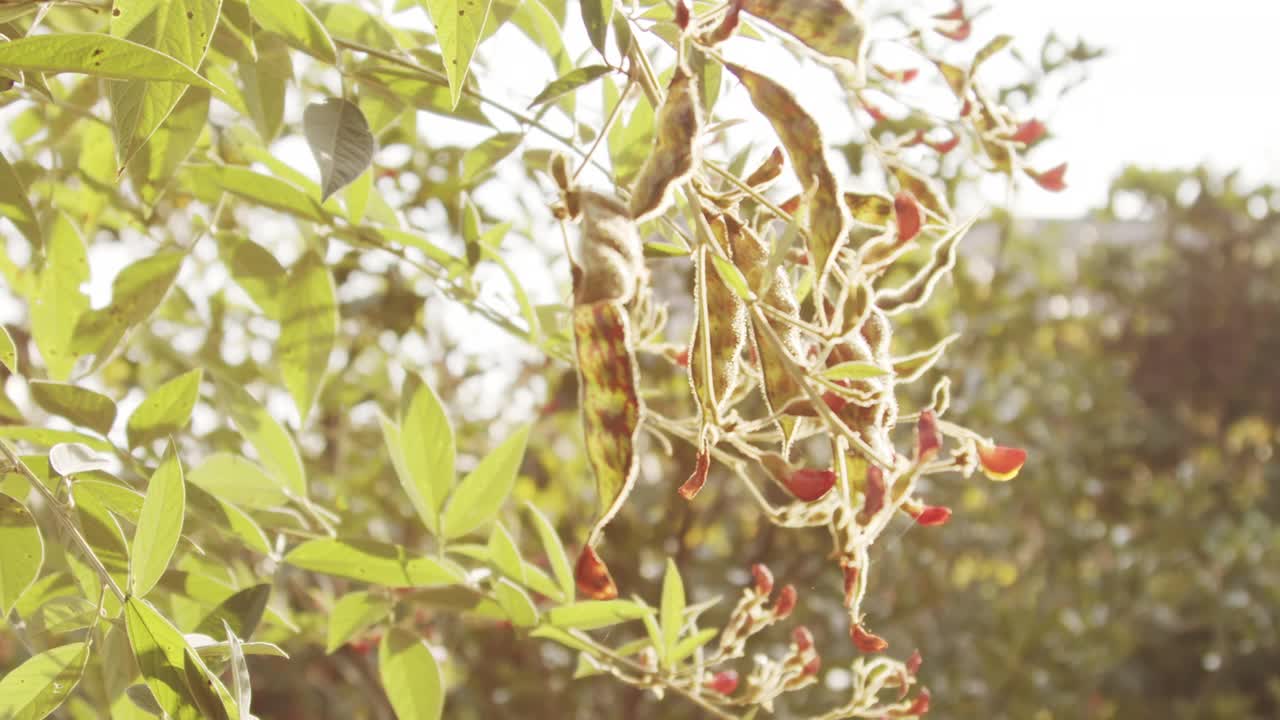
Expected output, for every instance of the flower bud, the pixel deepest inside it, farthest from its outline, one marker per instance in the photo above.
(1028, 132)
(928, 439)
(813, 666)
(874, 491)
(723, 682)
(850, 583)
(933, 515)
(865, 641)
(999, 462)
(809, 484)
(1051, 179)
(763, 578)
(914, 662)
(786, 602)
(682, 15)
(802, 638)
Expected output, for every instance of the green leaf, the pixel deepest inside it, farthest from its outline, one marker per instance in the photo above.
(690, 645)
(372, 562)
(352, 614)
(910, 367)
(458, 27)
(237, 479)
(555, 634)
(79, 405)
(135, 293)
(593, 614)
(411, 676)
(206, 690)
(161, 653)
(166, 410)
(672, 610)
(854, 370)
(228, 518)
(732, 277)
(516, 603)
(294, 22)
(339, 136)
(21, 552)
(182, 30)
(485, 488)
(255, 270)
(264, 190)
(422, 450)
(48, 437)
(265, 83)
(154, 164)
(554, 549)
(308, 331)
(239, 613)
(59, 302)
(241, 688)
(481, 158)
(504, 555)
(38, 686)
(15, 205)
(95, 54)
(8, 351)
(596, 15)
(995, 45)
(276, 450)
(159, 525)
(569, 82)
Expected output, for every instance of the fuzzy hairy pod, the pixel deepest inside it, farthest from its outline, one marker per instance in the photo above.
(830, 27)
(916, 291)
(675, 146)
(612, 261)
(910, 367)
(719, 333)
(828, 222)
(924, 190)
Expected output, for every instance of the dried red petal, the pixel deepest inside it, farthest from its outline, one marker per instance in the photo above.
(791, 204)
(813, 666)
(724, 682)
(933, 515)
(834, 401)
(960, 33)
(763, 578)
(1000, 462)
(907, 212)
(966, 108)
(802, 638)
(726, 27)
(786, 602)
(946, 146)
(682, 358)
(955, 13)
(1028, 132)
(906, 76)
(809, 484)
(850, 583)
(928, 439)
(1051, 179)
(876, 114)
(682, 15)
(919, 707)
(690, 488)
(914, 662)
(865, 641)
(874, 490)
(592, 576)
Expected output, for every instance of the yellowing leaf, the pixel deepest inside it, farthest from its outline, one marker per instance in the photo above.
(411, 676)
(21, 553)
(59, 303)
(159, 524)
(372, 562)
(854, 370)
(459, 24)
(154, 164)
(135, 294)
(96, 54)
(308, 330)
(237, 479)
(182, 30)
(166, 410)
(830, 27)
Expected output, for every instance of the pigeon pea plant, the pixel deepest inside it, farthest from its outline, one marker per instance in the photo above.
(144, 560)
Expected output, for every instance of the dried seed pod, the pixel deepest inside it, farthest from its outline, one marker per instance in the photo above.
(830, 27)
(675, 147)
(829, 221)
(768, 171)
(916, 291)
(870, 209)
(611, 407)
(612, 255)
(719, 333)
(559, 166)
(910, 367)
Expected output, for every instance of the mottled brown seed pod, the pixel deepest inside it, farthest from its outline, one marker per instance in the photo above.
(612, 255)
(675, 147)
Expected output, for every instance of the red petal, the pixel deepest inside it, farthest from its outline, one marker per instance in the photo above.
(874, 491)
(959, 34)
(874, 112)
(1000, 462)
(914, 662)
(928, 439)
(593, 577)
(682, 15)
(945, 146)
(791, 204)
(809, 484)
(834, 401)
(908, 75)
(724, 682)
(786, 602)
(802, 638)
(955, 13)
(763, 578)
(933, 515)
(1051, 179)
(813, 666)
(1028, 132)
(865, 641)
(695, 482)
(907, 211)
(919, 707)
(850, 583)
(966, 108)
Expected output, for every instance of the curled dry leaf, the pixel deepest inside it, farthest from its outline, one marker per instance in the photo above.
(592, 576)
(828, 222)
(674, 152)
(694, 484)
(865, 641)
(831, 27)
(768, 171)
(729, 23)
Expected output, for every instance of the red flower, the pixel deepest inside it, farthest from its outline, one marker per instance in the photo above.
(945, 146)
(928, 439)
(1028, 132)
(907, 211)
(1051, 179)
(914, 662)
(592, 576)
(955, 13)
(682, 15)
(932, 515)
(850, 583)
(1000, 462)
(875, 490)
(809, 484)
(763, 578)
(802, 638)
(865, 641)
(919, 707)
(960, 33)
(786, 602)
(695, 482)
(724, 682)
